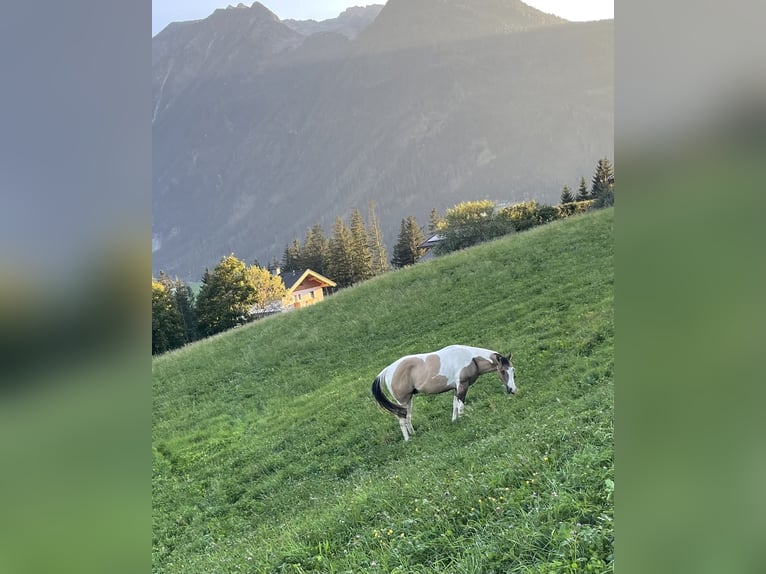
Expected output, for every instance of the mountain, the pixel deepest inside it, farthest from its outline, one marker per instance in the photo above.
(260, 132)
(349, 23)
(229, 43)
(408, 23)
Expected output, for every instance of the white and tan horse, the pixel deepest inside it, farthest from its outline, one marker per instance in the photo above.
(452, 368)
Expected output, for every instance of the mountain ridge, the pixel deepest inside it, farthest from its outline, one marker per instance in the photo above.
(348, 23)
(270, 135)
(408, 23)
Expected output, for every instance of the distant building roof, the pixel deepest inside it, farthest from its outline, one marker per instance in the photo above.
(292, 279)
(431, 241)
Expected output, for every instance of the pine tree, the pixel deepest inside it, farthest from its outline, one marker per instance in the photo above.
(361, 258)
(274, 265)
(602, 184)
(406, 250)
(315, 253)
(341, 264)
(435, 222)
(566, 195)
(182, 299)
(291, 259)
(184, 302)
(582, 193)
(375, 241)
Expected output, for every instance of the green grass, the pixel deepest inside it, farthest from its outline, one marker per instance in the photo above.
(270, 455)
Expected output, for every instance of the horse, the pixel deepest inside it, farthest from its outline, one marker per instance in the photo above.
(455, 367)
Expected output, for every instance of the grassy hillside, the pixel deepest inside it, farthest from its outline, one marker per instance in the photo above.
(270, 455)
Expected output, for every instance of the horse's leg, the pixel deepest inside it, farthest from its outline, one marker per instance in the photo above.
(454, 408)
(403, 426)
(409, 418)
(458, 403)
(405, 422)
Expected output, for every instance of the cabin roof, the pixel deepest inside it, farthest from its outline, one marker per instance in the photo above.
(431, 241)
(293, 279)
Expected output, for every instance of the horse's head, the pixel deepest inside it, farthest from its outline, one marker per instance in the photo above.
(505, 372)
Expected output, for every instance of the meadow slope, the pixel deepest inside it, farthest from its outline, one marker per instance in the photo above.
(270, 455)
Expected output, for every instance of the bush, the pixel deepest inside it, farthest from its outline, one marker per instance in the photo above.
(467, 235)
(521, 215)
(568, 209)
(470, 223)
(546, 214)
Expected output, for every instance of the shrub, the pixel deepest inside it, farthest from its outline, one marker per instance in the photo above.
(522, 215)
(470, 223)
(568, 209)
(546, 214)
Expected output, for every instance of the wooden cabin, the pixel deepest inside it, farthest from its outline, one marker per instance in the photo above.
(304, 288)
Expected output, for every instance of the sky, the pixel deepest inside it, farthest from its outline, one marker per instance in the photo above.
(166, 11)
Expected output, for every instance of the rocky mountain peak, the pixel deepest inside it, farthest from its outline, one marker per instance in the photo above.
(407, 23)
(256, 10)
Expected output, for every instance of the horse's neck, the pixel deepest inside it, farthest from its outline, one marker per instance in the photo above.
(484, 359)
(483, 367)
(479, 352)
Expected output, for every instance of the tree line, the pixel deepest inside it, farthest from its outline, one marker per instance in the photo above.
(601, 190)
(473, 222)
(229, 296)
(355, 252)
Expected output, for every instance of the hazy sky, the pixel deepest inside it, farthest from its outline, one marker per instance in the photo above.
(166, 11)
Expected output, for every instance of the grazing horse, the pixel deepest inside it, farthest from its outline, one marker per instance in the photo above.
(452, 368)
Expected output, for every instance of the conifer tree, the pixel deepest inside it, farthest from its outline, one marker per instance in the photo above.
(183, 298)
(379, 258)
(582, 192)
(275, 264)
(291, 259)
(341, 264)
(315, 253)
(361, 258)
(406, 250)
(602, 184)
(435, 221)
(566, 195)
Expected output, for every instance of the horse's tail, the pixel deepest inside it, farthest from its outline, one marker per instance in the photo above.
(398, 410)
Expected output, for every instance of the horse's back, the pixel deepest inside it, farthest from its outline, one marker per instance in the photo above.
(387, 374)
(456, 357)
(465, 351)
(452, 359)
